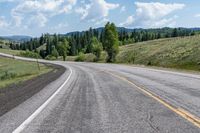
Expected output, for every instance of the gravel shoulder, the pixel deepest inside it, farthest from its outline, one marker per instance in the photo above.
(14, 94)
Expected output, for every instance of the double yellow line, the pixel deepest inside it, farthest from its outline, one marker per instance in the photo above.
(183, 113)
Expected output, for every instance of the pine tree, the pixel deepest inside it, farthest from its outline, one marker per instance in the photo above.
(175, 33)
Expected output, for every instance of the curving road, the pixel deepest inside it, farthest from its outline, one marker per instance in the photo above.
(109, 98)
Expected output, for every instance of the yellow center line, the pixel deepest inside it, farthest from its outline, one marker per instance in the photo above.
(183, 113)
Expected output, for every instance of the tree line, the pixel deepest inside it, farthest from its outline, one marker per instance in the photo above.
(95, 40)
(140, 35)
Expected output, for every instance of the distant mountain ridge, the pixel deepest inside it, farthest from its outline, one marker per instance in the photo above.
(195, 29)
(129, 30)
(100, 29)
(24, 38)
(17, 38)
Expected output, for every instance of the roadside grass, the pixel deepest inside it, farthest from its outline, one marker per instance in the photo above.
(179, 53)
(9, 51)
(22, 53)
(15, 71)
(70, 58)
(85, 57)
(4, 45)
(88, 57)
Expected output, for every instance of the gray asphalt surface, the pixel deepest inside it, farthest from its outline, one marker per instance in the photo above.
(94, 101)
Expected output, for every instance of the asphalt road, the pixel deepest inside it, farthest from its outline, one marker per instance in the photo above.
(108, 98)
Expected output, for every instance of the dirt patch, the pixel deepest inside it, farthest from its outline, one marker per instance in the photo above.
(13, 95)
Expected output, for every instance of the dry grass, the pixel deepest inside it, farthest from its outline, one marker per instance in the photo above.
(14, 71)
(178, 52)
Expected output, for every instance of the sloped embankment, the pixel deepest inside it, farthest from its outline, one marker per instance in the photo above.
(181, 52)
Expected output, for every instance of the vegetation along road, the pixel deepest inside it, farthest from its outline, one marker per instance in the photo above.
(92, 97)
(19, 80)
(15, 71)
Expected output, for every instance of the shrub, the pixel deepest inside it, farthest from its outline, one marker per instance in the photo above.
(90, 57)
(50, 57)
(103, 57)
(54, 53)
(30, 54)
(80, 57)
(96, 48)
(149, 63)
(8, 75)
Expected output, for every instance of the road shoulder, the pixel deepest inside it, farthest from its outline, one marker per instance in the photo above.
(14, 94)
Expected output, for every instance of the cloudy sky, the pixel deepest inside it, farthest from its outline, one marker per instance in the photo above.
(34, 17)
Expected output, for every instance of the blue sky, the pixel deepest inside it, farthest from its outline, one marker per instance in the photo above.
(34, 17)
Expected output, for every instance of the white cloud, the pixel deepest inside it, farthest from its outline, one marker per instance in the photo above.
(31, 6)
(82, 2)
(130, 20)
(197, 16)
(153, 14)
(83, 11)
(39, 20)
(45, 8)
(72, 2)
(101, 21)
(3, 22)
(169, 22)
(17, 20)
(123, 9)
(156, 10)
(60, 26)
(96, 9)
(51, 5)
(66, 9)
(6, 1)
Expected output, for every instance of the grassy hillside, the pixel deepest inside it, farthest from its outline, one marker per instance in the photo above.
(179, 52)
(5, 48)
(9, 51)
(4, 43)
(14, 71)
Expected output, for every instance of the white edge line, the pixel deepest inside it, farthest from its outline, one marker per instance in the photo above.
(30, 118)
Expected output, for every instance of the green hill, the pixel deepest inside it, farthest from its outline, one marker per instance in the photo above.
(4, 43)
(9, 51)
(181, 52)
